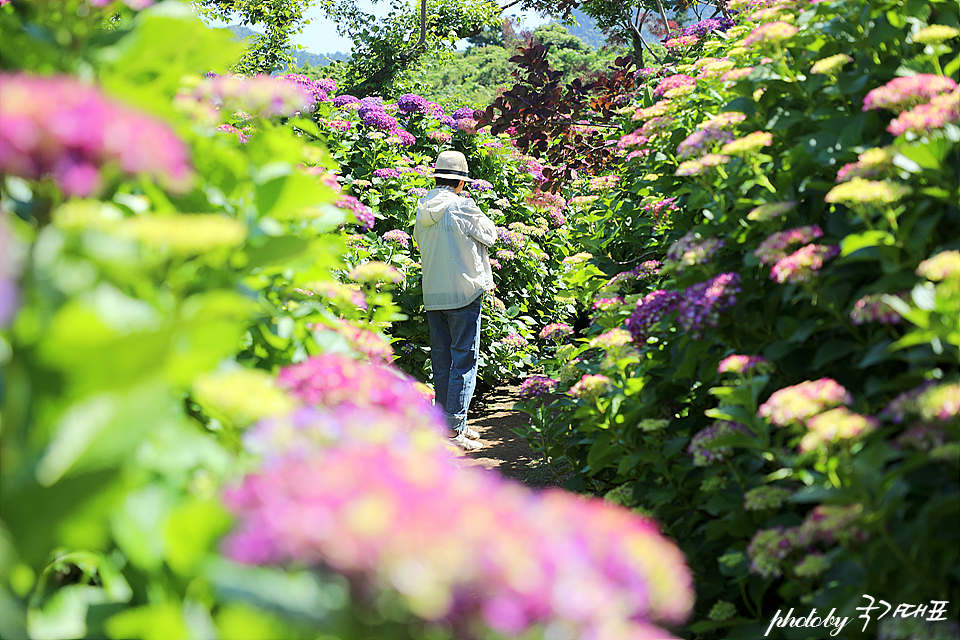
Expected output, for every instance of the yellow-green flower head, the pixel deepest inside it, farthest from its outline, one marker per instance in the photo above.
(941, 266)
(860, 191)
(242, 395)
(613, 339)
(679, 92)
(750, 143)
(716, 68)
(375, 271)
(186, 234)
(770, 210)
(653, 424)
(79, 215)
(830, 64)
(770, 14)
(935, 34)
(722, 610)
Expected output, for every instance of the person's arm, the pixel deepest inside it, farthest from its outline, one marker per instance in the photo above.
(477, 225)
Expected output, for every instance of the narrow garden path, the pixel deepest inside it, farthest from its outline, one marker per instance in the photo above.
(493, 416)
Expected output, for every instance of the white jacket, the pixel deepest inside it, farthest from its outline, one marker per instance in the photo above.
(453, 235)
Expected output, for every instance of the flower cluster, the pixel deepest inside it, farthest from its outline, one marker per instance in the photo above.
(748, 144)
(945, 264)
(803, 264)
(701, 140)
(611, 340)
(336, 124)
(771, 33)
(335, 380)
(315, 87)
(505, 254)
(766, 498)
(902, 94)
(386, 174)
(259, 95)
(724, 120)
(704, 454)
(59, 127)
(344, 100)
(702, 304)
(536, 386)
(774, 247)
(412, 103)
(743, 364)
(661, 108)
(771, 210)
(590, 387)
(681, 42)
(514, 341)
(866, 192)
(872, 163)
(926, 118)
(603, 183)
(655, 126)
(872, 308)
(242, 395)
(648, 313)
(546, 200)
(556, 331)
(835, 425)
(361, 212)
(935, 34)
(375, 271)
(440, 136)
(769, 548)
(185, 234)
(480, 185)
(692, 249)
(716, 69)
(606, 304)
(397, 236)
(705, 27)
(802, 401)
(400, 522)
(378, 119)
(463, 113)
(577, 258)
(675, 82)
(702, 164)
(831, 64)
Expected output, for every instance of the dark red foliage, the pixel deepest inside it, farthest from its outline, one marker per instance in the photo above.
(544, 113)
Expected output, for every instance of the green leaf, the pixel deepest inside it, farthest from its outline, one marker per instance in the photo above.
(283, 198)
(832, 350)
(872, 238)
(191, 531)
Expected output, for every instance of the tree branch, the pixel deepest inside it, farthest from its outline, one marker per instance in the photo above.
(663, 14)
(423, 33)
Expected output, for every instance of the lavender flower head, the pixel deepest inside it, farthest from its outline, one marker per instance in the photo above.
(344, 100)
(536, 386)
(803, 264)
(701, 141)
(463, 113)
(700, 446)
(410, 103)
(701, 305)
(692, 249)
(378, 119)
(646, 317)
(702, 28)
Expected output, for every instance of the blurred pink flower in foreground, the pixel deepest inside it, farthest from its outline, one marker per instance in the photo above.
(60, 127)
(365, 485)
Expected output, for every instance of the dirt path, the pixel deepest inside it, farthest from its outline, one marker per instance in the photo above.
(493, 416)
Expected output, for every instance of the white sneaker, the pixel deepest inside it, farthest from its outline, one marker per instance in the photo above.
(471, 433)
(465, 443)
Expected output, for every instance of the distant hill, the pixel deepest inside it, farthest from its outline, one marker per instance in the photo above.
(587, 30)
(302, 57)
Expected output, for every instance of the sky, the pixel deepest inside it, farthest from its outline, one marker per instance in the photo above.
(320, 36)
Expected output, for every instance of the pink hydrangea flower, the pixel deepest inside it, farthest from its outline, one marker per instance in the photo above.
(802, 401)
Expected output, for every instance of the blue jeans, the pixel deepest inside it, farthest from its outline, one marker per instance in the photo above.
(454, 352)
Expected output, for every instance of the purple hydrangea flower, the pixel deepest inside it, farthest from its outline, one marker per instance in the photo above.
(379, 120)
(412, 103)
(463, 112)
(702, 303)
(344, 100)
(649, 311)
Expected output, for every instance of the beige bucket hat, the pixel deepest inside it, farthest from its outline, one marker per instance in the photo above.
(452, 165)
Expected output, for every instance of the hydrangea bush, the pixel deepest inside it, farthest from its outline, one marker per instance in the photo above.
(787, 402)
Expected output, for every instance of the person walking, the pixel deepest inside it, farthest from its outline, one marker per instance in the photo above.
(453, 235)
